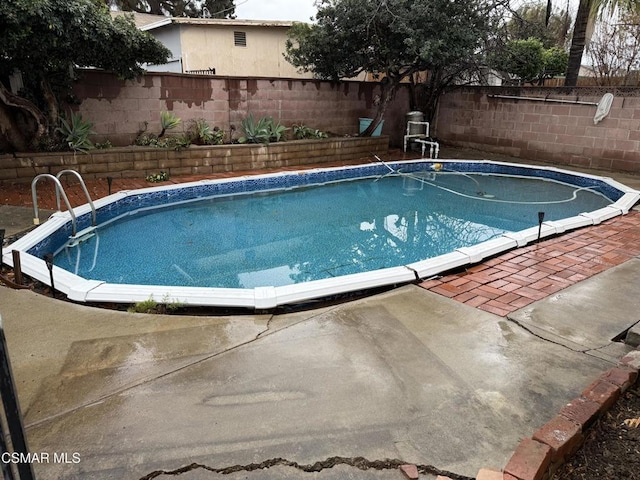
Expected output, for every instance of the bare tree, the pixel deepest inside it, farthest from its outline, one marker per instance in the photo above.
(588, 12)
(615, 50)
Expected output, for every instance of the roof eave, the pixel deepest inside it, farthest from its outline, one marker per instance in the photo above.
(160, 23)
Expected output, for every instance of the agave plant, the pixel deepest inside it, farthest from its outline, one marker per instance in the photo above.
(276, 131)
(76, 132)
(168, 121)
(265, 130)
(254, 132)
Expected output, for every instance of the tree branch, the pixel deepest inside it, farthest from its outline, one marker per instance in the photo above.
(15, 101)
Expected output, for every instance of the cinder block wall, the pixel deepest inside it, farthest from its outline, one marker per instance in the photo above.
(119, 109)
(552, 132)
(564, 134)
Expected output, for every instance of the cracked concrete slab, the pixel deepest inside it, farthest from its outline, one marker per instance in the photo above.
(358, 468)
(340, 472)
(405, 375)
(633, 335)
(71, 355)
(588, 315)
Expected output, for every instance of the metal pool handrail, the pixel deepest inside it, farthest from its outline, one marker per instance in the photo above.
(59, 191)
(86, 193)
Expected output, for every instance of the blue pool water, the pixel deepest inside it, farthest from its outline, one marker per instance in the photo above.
(311, 233)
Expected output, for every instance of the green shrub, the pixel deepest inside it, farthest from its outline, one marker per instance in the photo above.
(148, 306)
(168, 121)
(103, 145)
(157, 177)
(302, 132)
(168, 305)
(200, 133)
(151, 140)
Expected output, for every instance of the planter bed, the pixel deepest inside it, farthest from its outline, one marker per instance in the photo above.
(136, 161)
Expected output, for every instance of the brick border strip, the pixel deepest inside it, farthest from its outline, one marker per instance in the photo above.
(538, 457)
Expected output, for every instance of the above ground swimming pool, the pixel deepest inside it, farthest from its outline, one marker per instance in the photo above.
(268, 240)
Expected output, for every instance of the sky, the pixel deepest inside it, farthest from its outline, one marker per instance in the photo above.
(302, 10)
(299, 10)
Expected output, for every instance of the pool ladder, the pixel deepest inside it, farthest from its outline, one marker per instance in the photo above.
(61, 193)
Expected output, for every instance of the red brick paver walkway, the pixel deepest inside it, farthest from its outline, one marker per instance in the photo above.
(517, 278)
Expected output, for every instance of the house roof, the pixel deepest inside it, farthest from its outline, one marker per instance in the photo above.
(146, 21)
(140, 19)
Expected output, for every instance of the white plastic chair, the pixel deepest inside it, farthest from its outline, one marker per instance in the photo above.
(421, 137)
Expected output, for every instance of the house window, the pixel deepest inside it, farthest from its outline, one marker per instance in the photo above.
(240, 39)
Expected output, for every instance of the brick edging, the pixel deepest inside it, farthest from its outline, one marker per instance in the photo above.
(538, 457)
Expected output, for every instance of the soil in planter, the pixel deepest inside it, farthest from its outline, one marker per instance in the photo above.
(612, 448)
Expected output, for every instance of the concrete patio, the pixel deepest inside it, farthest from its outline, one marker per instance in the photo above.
(350, 391)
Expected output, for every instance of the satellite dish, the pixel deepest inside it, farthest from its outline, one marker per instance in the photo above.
(604, 105)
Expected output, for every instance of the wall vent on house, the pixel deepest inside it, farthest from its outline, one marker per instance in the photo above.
(240, 39)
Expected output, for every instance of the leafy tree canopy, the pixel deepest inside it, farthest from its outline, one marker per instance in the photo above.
(520, 58)
(177, 8)
(392, 38)
(43, 40)
(555, 62)
(528, 61)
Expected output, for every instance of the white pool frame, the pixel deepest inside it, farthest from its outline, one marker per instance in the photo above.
(82, 290)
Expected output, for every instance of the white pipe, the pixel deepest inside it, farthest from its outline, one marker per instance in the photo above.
(538, 99)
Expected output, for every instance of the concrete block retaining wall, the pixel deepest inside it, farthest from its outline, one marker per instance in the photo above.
(194, 160)
(560, 133)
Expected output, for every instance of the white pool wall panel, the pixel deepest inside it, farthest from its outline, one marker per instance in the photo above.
(602, 214)
(37, 269)
(573, 223)
(195, 296)
(529, 235)
(628, 200)
(79, 291)
(439, 264)
(299, 292)
(477, 253)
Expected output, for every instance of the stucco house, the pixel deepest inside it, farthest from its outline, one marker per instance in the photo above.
(246, 48)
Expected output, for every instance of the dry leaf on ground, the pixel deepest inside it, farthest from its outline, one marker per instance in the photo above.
(632, 422)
